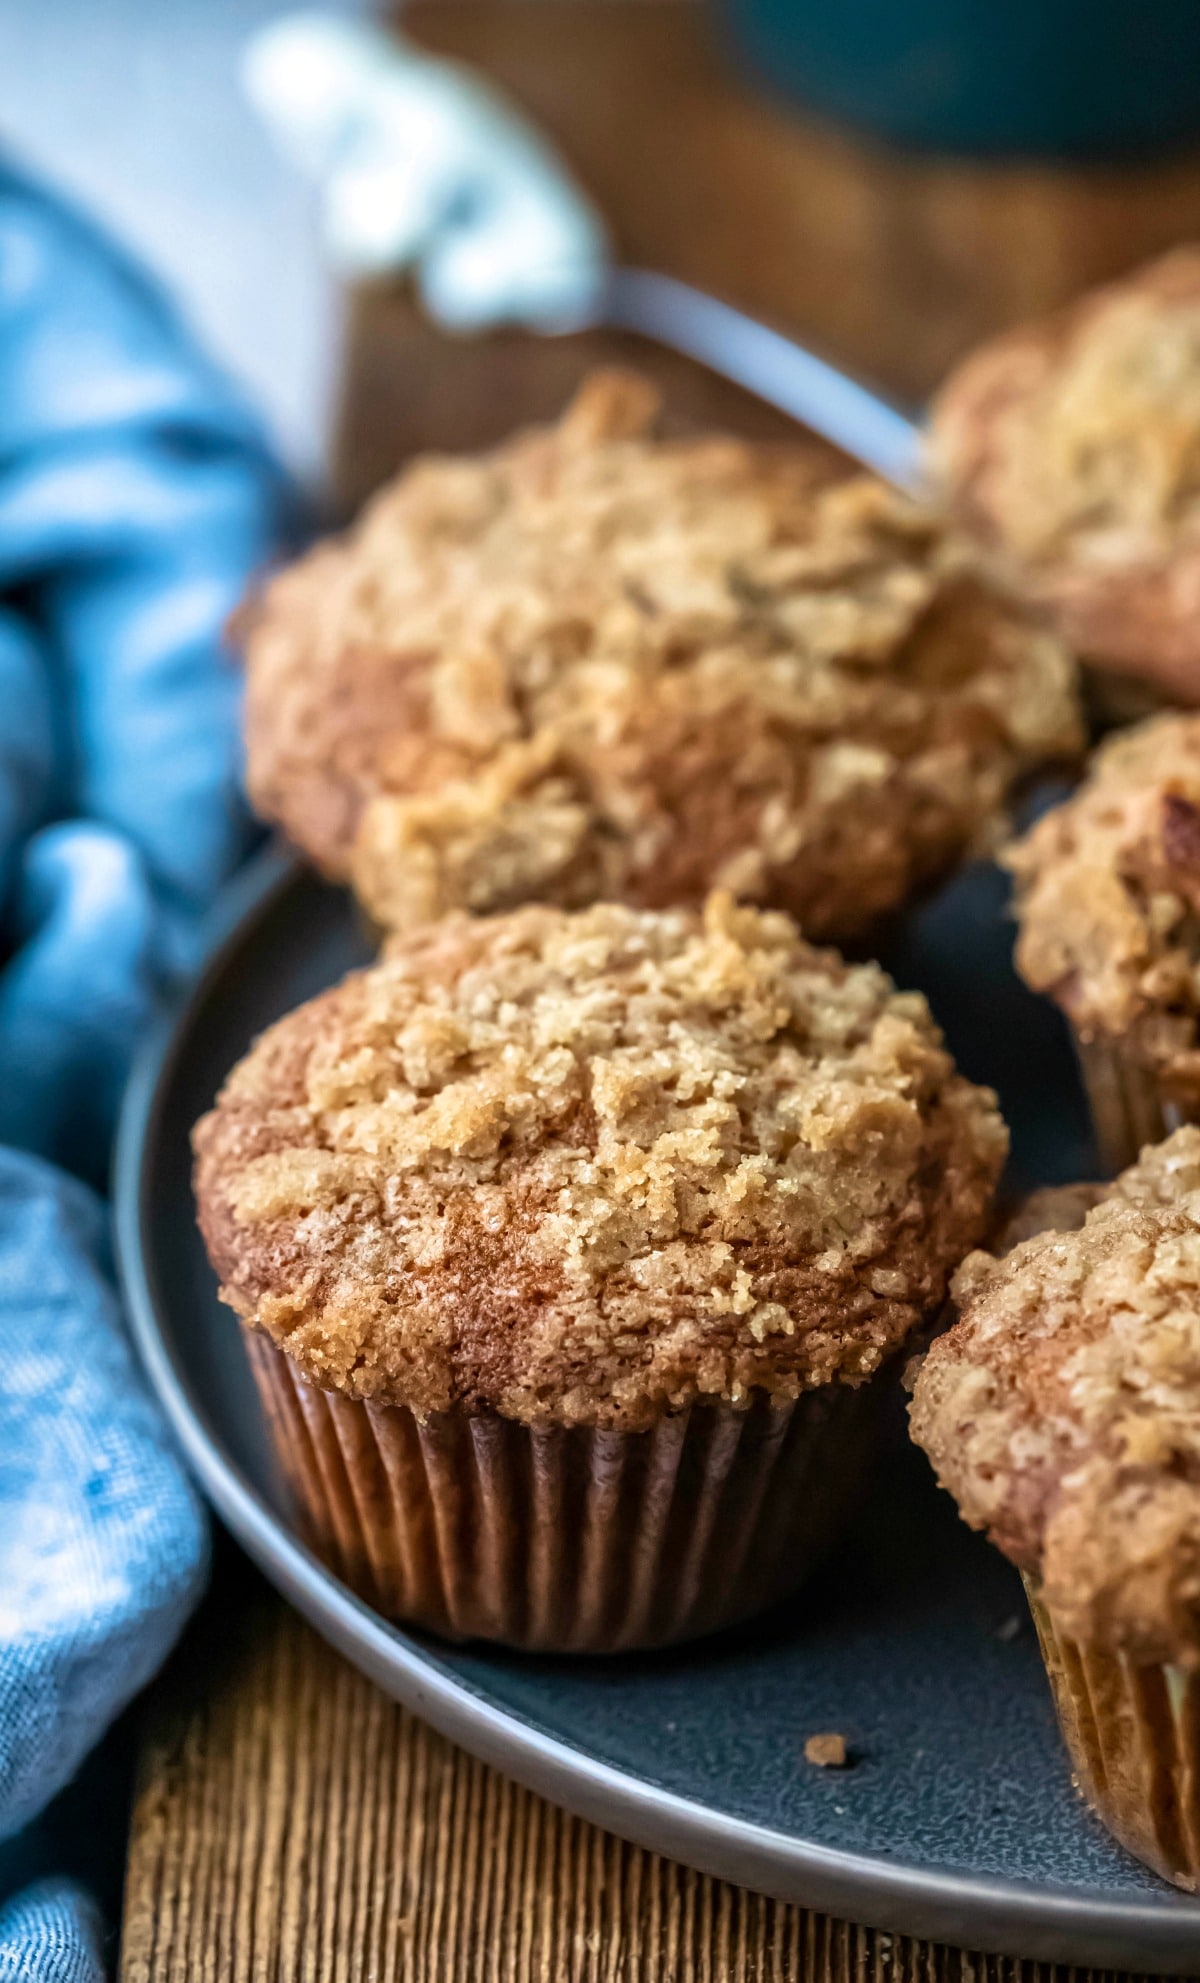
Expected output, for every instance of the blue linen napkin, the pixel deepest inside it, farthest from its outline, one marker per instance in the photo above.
(51, 1933)
(137, 500)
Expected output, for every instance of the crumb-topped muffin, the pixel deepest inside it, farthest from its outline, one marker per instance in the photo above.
(591, 1166)
(604, 664)
(1073, 446)
(1062, 1412)
(1108, 902)
(604, 1169)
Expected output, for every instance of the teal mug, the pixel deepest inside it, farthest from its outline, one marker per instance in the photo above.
(1019, 78)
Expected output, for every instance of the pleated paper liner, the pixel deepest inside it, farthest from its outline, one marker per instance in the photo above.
(570, 1539)
(1133, 1736)
(1129, 1108)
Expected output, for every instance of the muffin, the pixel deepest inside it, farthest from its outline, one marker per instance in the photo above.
(575, 1251)
(1072, 446)
(1108, 902)
(1062, 1411)
(600, 664)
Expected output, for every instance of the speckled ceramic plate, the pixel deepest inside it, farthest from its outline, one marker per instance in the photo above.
(956, 1819)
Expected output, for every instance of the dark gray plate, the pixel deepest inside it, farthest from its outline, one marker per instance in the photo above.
(957, 1819)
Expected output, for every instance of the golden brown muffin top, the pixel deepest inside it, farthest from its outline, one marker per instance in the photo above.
(1062, 1410)
(600, 664)
(1108, 899)
(1073, 444)
(588, 1166)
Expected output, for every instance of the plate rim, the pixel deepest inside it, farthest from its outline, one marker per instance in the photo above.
(984, 1912)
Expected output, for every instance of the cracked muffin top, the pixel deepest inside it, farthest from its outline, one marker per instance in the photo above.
(1108, 900)
(600, 664)
(587, 1166)
(1073, 445)
(1062, 1410)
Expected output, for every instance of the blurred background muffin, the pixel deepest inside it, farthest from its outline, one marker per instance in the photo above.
(1071, 445)
(1108, 903)
(574, 1251)
(601, 664)
(1062, 1412)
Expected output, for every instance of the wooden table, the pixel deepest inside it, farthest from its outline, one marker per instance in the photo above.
(292, 1825)
(290, 1822)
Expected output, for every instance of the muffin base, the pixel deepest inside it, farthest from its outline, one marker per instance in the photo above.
(569, 1538)
(1133, 1736)
(1129, 1109)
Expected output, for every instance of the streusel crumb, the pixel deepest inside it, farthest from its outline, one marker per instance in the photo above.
(1108, 900)
(1062, 1410)
(585, 1166)
(1073, 445)
(604, 665)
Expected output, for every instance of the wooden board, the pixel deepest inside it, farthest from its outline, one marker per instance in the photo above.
(291, 1823)
(892, 264)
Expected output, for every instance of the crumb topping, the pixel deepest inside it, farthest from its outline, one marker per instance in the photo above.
(1108, 900)
(1074, 443)
(587, 1166)
(602, 664)
(828, 1752)
(1062, 1410)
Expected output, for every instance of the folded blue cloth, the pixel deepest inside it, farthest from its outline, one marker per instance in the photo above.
(137, 501)
(51, 1933)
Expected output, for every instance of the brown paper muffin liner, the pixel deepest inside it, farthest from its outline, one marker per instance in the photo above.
(569, 1538)
(1133, 1736)
(1129, 1109)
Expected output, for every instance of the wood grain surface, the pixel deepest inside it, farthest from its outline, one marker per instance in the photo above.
(292, 1825)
